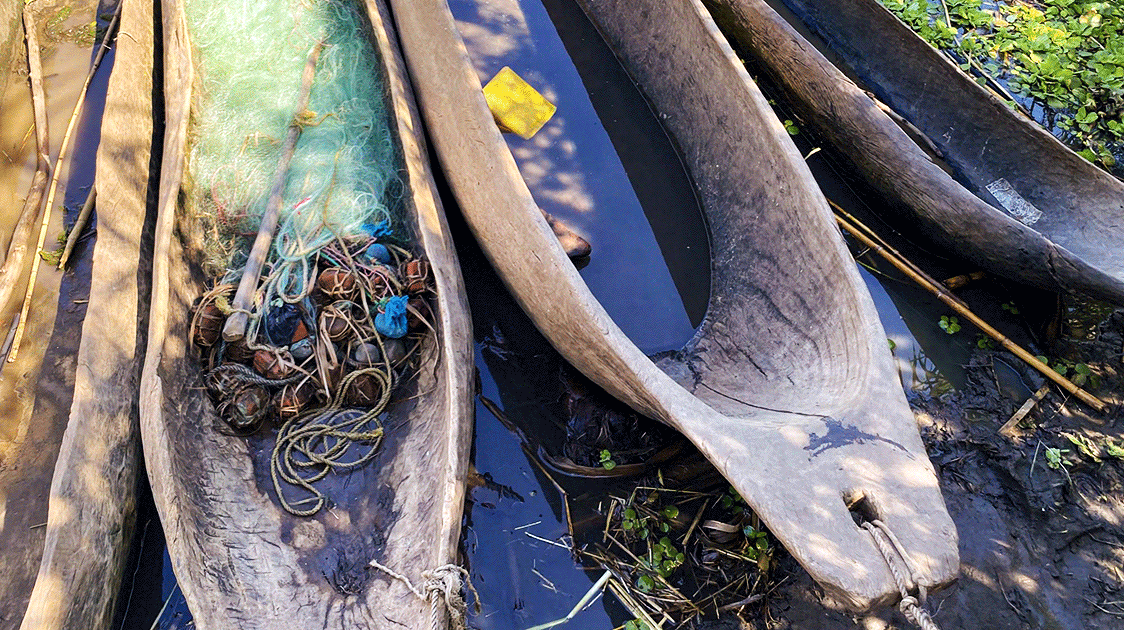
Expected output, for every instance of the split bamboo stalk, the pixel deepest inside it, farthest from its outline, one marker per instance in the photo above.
(17, 250)
(79, 225)
(235, 327)
(57, 171)
(863, 234)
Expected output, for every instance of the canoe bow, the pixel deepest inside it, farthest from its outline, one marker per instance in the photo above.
(788, 387)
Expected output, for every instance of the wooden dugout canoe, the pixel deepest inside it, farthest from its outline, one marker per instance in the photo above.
(1068, 237)
(92, 499)
(788, 386)
(241, 561)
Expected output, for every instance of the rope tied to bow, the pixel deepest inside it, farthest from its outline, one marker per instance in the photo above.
(893, 553)
(441, 587)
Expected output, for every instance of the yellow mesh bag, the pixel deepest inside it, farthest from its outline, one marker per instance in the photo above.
(516, 106)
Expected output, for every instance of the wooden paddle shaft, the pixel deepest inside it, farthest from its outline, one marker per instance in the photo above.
(235, 327)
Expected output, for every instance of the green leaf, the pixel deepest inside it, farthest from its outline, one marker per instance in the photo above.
(1113, 449)
(1084, 445)
(671, 511)
(645, 583)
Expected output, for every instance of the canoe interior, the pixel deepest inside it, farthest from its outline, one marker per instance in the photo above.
(603, 164)
(788, 386)
(242, 561)
(984, 141)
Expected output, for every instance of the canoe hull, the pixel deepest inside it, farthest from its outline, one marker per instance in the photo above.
(92, 499)
(790, 347)
(240, 560)
(1072, 246)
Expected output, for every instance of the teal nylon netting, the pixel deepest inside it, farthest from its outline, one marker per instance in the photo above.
(249, 56)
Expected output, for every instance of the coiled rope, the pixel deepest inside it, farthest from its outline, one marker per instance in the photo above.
(316, 443)
(893, 552)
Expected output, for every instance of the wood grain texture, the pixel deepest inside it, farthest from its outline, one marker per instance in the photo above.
(241, 561)
(1075, 246)
(788, 387)
(93, 492)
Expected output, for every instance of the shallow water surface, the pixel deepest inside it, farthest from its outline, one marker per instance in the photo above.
(602, 163)
(37, 388)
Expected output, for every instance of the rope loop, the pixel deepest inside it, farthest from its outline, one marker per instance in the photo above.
(442, 589)
(908, 581)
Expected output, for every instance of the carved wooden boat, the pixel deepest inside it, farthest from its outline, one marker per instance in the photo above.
(1019, 203)
(787, 387)
(242, 561)
(82, 547)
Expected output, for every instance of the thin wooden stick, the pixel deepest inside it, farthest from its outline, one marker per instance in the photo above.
(79, 225)
(958, 305)
(235, 327)
(880, 242)
(957, 282)
(1008, 428)
(55, 177)
(17, 249)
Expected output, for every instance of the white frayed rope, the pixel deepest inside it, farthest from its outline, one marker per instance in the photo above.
(441, 587)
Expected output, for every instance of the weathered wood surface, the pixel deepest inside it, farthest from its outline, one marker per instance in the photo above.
(241, 561)
(1074, 246)
(93, 492)
(788, 386)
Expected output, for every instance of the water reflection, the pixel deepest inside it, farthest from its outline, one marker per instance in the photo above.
(37, 388)
(574, 171)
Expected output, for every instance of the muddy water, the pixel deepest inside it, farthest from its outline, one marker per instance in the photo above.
(36, 388)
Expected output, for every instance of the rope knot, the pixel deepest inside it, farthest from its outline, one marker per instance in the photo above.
(907, 581)
(441, 587)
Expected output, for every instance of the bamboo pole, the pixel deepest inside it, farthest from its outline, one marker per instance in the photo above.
(63, 147)
(863, 234)
(235, 327)
(17, 249)
(79, 225)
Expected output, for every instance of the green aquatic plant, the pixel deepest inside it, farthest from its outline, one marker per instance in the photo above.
(791, 127)
(1078, 373)
(1065, 55)
(950, 324)
(606, 460)
(1054, 457)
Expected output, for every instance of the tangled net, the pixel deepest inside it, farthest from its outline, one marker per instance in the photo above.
(341, 307)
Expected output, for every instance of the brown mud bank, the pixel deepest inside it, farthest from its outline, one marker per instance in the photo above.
(1040, 514)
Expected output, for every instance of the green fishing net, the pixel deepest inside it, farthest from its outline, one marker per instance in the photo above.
(249, 57)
